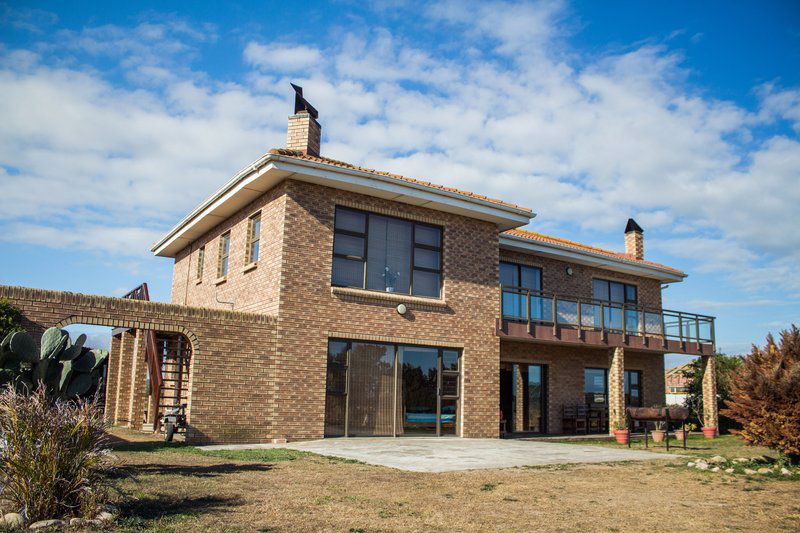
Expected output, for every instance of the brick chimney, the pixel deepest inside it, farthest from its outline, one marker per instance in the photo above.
(634, 240)
(304, 133)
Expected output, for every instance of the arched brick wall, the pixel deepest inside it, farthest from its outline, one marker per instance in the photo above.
(232, 387)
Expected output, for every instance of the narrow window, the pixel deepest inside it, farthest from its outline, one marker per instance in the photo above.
(224, 250)
(201, 258)
(253, 236)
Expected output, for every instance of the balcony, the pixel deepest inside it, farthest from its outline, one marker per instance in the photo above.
(539, 316)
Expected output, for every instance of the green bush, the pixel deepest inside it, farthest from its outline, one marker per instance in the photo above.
(10, 318)
(53, 455)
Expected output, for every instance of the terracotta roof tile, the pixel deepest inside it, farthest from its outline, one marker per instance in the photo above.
(548, 239)
(342, 164)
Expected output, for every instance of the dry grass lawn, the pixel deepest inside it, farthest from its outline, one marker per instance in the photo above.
(180, 489)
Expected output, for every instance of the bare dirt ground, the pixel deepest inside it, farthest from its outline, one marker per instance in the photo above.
(180, 489)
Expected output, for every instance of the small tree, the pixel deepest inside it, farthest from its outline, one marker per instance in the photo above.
(10, 318)
(726, 367)
(765, 396)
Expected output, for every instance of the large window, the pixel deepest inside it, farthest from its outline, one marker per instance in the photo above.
(376, 389)
(595, 383)
(517, 280)
(618, 295)
(382, 253)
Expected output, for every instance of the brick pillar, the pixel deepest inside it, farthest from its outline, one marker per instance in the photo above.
(112, 378)
(138, 392)
(616, 387)
(710, 414)
(122, 403)
(519, 403)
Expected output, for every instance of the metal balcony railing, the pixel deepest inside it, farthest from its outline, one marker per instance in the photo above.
(535, 306)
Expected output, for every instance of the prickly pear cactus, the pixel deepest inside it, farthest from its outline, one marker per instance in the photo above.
(67, 370)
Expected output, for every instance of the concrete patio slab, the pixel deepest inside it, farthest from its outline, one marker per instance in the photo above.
(453, 454)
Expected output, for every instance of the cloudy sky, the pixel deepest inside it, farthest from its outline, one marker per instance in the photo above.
(117, 120)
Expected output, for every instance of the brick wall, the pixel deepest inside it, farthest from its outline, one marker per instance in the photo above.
(246, 288)
(232, 386)
(565, 368)
(311, 311)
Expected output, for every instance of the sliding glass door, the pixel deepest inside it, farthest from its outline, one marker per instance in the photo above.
(523, 397)
(378, 389)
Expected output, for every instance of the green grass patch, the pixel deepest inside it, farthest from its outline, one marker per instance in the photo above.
(265, 455)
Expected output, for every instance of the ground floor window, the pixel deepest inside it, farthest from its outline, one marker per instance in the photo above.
(523, 397)
(633, 388)
(376, 389)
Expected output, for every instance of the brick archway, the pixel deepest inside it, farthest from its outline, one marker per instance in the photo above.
(224, 343)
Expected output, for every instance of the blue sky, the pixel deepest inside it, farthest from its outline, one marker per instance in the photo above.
(118, 118)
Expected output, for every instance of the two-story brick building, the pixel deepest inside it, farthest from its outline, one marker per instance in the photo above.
(404, 307)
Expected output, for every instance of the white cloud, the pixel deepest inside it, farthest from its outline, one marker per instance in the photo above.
(281, 58)
(584, 141)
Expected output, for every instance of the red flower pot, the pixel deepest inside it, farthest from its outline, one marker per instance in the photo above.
(710, 432)
(622, 435)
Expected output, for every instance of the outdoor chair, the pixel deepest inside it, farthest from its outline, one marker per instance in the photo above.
(573, 419)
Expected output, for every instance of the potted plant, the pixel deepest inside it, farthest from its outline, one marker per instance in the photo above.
(621, 431)
(689, 429)
(659, 432)
(710, 432)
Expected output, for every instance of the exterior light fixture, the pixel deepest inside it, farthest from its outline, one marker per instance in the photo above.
(401, 309)
(569, 271)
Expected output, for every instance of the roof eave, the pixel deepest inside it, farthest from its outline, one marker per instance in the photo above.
(589, 258)
(388, 187)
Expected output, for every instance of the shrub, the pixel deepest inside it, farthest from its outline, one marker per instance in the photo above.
(53, 455)
(10, 318)
(765, 396)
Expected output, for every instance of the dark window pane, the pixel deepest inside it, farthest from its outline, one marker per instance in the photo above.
(254, 252)
(450, 360)
(630, 293)
(349, 220)
(348, 245)
(337, 379)
(617, 292)
(389, 254)
(600, 289)
(449, 417)
(509, 275)
(347, 272)
(531, 277)
(595, 386)
(337, 352)
(426, 258)
(428, 235)
(426, 283)
(450, 384)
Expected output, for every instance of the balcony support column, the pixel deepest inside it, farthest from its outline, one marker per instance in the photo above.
(616, 387)
(710, 409)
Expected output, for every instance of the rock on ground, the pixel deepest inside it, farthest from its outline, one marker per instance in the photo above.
(12, 520)
(44, 524)
(717, 460)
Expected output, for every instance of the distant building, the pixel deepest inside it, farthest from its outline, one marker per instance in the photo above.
(677, 384)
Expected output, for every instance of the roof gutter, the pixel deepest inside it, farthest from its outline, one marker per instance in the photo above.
(591, 258)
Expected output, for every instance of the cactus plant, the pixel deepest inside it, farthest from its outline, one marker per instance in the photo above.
(67, 370)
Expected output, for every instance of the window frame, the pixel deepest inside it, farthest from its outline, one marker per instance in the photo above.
(625, 287)
(224, 255)
(364, 259)
(253, 238)
(201, 259)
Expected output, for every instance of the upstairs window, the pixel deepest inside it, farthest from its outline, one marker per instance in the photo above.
(201, 259)
(388, 254)
(253, 236)
(224, 251)
(618, 295)
(519, 282)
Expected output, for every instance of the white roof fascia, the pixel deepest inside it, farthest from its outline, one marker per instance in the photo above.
(589, 258)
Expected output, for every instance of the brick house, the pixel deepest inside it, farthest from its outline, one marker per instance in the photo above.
(405, 308)
(677, 384)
